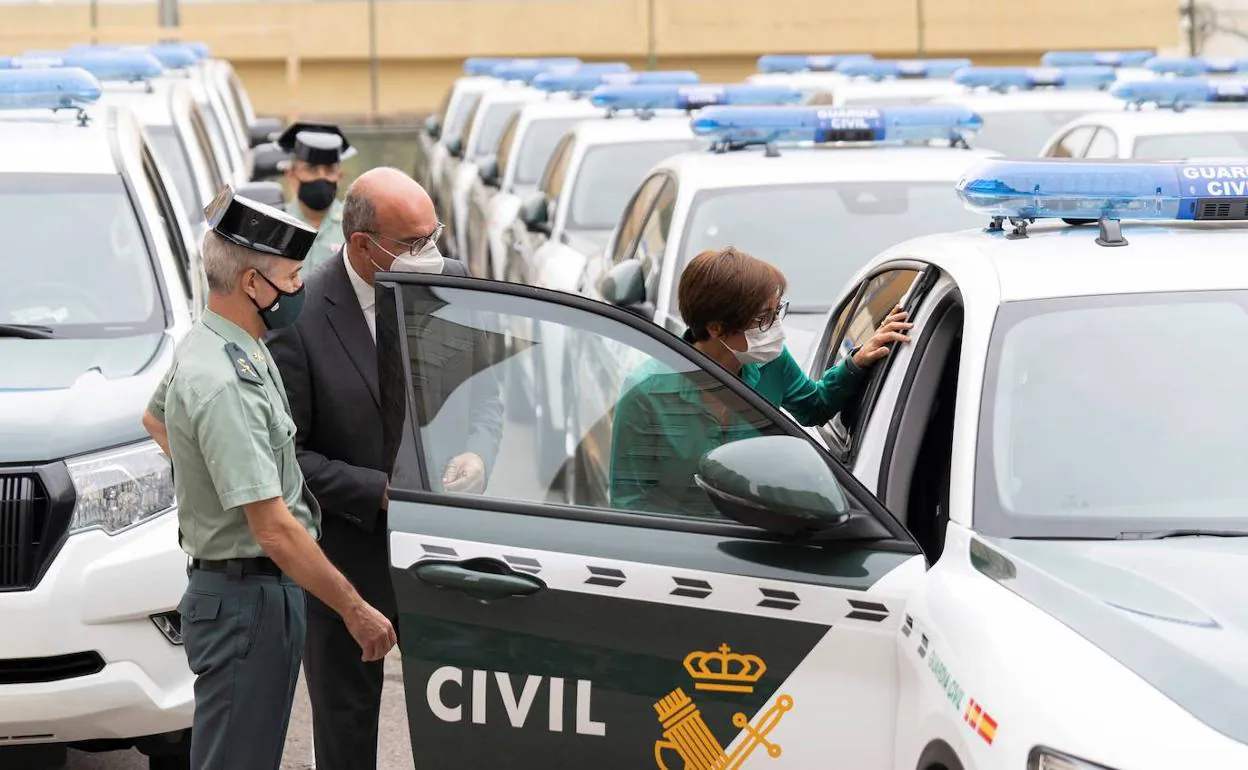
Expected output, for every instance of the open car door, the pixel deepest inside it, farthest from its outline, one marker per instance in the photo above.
(642, 627)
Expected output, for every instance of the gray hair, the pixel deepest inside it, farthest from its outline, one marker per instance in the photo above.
(225, 261)
(359, 215)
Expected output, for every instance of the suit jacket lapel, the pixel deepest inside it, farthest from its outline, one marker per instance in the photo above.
(347, 320)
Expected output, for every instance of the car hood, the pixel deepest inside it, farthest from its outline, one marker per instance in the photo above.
(62, 397)
(1174, 611)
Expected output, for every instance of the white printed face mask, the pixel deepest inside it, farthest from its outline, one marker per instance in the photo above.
(429, 260)
(761, 347)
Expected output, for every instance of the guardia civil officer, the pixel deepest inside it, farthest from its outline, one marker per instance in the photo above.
(245, 515)
(313, 172)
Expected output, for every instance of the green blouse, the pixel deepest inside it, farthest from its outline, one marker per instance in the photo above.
(664, 424)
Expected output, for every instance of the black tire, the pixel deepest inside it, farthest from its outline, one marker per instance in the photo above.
(170, 762)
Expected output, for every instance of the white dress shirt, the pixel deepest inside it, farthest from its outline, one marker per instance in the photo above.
(363, 293)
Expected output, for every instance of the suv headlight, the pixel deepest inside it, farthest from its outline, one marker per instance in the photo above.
(120, 488)
(1042, 758)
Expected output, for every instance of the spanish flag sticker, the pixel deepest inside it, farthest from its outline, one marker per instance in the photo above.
(980, 722)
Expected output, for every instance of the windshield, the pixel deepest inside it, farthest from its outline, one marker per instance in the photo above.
(1116, 413)
(1021, 134)
(609, 176)
(1209, 144)
(169, 149)
(820, 234)
(93, 276)
(538, 145)
(491, 130)
(464, 109)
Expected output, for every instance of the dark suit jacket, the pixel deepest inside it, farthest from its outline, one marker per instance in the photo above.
(328, 362)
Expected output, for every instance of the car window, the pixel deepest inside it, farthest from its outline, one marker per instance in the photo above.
(463, 126)
(634, 216)
(94, 276)
(505, 144)
(636, 427)
(652, 244)
(1021, 133)
(1073, 143)
(1104, 144)
(1207, 144)
(538, 146)
(169, 149)
(609, 174)
(203, 144)
(882, 293)
(490, 131)
(556, 170)
(168, 218)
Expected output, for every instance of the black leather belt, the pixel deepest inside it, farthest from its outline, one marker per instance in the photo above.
(256, 565)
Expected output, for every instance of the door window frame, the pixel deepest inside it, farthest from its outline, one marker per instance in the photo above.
(1090, 128)
(166, 210)
(653, 276)
(391, 320)
(1113, 137)
(618, 253)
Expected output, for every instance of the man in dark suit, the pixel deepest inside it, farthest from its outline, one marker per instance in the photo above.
(328, 361)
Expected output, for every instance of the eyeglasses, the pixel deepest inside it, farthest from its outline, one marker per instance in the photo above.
(768, 318)
(414, 247)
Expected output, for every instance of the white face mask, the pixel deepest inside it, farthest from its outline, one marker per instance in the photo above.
(429, 260)
(761, 347)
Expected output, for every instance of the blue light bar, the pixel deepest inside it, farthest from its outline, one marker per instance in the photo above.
(527, 70)
(48, 88)
(173, 56)
(880, 69)
(1096, 58)
(127, 66)
(485, 65)
(581, 82)
(1179, 93)
(736, 126)
(1026, 78)
(201, 49)
(690, 97)
(1190, 66)
(807, 62)
(1077, 189)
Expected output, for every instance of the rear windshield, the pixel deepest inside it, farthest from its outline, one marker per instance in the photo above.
(75, 259)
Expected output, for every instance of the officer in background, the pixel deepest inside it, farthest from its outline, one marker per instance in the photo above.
(313, 172)
(245, 515)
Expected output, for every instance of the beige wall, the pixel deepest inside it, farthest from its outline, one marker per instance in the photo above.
(312, 58)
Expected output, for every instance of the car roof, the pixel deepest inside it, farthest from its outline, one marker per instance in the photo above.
(52, 143)
(751, 168)
(1061, 260)
(863, 91)
(510, 94)
(625, 128)
(1193, 121)
(152, 108)
(1030, 101)
(558, 108)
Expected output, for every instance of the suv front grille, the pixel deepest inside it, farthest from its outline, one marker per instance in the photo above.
(23, 528)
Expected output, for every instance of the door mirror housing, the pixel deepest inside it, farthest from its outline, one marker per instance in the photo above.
(625, 286)
(264, 130)
(455, 146)
(535, 213)
(488, 171)
(264, 192)
(433, 127)
(268, 162)
(777, 483)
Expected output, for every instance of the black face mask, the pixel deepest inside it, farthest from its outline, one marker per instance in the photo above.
(318, 194)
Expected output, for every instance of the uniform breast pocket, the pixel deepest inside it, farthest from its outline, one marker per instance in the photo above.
(282, 441)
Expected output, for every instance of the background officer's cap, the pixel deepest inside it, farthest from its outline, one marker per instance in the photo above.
(321, 144)
(258, 226)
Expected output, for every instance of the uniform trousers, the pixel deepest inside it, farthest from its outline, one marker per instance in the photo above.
(244, 638)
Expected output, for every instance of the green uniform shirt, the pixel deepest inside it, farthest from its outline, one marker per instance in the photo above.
(224, 407)
(663, 426)
(329, 237)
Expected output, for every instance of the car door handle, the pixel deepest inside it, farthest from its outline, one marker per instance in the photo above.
(485, 579)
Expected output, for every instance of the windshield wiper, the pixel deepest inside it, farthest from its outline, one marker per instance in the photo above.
(1162, 534)
(26, 331)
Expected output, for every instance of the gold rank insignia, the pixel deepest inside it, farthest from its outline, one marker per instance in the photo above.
(242, 367)
(685, 732)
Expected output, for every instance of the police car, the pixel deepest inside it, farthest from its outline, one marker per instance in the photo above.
(1023, 106)
(811, 74)
(890, 82)
(1036, 563)
(528, 142)
(104, 276)
(1217, 126)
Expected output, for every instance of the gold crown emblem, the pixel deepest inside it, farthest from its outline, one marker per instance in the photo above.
(725, 671)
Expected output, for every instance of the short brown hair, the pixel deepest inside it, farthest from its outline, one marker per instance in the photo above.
(726, 286)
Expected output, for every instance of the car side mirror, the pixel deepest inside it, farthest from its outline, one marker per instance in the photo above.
(264, 130)
(777, 483)
(455, 146)
(264, 192)
(487, 169)
(267, 160)
(534, 213)
(433, 126)
(625, 286)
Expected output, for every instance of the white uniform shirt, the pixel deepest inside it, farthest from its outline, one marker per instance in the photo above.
(363, 293)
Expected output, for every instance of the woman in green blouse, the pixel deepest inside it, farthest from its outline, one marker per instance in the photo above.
(666, 421)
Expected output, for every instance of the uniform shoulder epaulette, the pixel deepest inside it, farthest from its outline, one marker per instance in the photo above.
(242, 366)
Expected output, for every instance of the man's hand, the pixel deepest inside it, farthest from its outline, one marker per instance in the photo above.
(465, 473)
(892, 330)
(372, 631)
